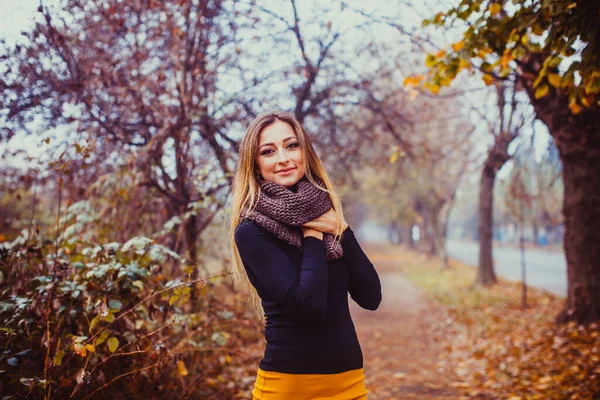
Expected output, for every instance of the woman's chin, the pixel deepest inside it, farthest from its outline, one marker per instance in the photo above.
(287, 181)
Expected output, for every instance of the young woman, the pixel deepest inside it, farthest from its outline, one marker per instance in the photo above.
(294, 252)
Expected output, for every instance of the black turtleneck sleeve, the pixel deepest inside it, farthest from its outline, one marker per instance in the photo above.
(364, 285)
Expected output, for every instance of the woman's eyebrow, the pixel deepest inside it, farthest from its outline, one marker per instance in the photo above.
(273, 144)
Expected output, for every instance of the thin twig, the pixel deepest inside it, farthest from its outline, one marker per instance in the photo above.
(119, 377)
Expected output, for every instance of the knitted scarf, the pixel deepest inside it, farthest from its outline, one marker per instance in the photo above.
(282, 212)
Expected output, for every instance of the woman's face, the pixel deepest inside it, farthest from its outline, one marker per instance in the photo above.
(280, 158)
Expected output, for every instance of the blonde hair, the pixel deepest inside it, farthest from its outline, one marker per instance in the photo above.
(246, 189)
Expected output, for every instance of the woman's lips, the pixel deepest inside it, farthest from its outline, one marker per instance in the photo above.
(285, 171)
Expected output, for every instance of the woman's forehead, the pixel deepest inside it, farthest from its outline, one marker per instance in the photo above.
(277, 132)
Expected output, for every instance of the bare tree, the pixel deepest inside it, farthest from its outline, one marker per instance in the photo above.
(504, 130)
(145, 81)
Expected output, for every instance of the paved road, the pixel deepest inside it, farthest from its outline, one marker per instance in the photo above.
(545, 269)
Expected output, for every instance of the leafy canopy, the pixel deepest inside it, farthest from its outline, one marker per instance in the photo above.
(502, 37)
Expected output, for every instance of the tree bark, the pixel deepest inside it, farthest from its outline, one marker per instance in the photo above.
(582, 231)
(536, 233)
(577, 138)
(485, 225)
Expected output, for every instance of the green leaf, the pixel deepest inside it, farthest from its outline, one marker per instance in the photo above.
(115, 304)
(113, 344)
(79, 339)
(138, 284)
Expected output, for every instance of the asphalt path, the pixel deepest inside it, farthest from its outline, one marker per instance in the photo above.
(544, 269)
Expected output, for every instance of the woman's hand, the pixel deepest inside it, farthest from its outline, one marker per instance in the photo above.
(311, 232)
(326, 223)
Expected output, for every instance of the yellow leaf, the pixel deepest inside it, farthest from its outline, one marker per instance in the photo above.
(586, 101)
(113, 344)
(435, 89)
(408, 81)
(484, 52)
(173, 299)
(100, 339)
(94, 322)
(525, 39)
(79, 349)
(495, 8)
(181, 368)
(554, 80)
(413, 95)
(488, 79)
(575, 108)
(458, 46)
(90, 347)
(110, 317)
(463, 64)
(430, 60)
(541, 91)
(444, 82)
(394, 156)
(58, 358)
(440, 54)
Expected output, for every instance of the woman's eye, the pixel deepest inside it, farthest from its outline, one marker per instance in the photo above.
(266, 152)
(294, 145)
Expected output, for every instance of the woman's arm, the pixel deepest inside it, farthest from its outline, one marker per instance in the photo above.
(303, 292)
(364, 286)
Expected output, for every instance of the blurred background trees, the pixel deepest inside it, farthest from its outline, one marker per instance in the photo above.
(120, 121)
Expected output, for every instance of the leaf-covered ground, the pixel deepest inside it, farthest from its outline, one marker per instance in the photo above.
(402, 340)
(468, 342)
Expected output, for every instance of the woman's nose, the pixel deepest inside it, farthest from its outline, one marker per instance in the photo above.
(283, 158)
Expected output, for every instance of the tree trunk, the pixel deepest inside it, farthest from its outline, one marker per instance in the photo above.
(577, 138)
(430, 224)
(485, 226)
(411, 239)
(191, 236)
(582, 232)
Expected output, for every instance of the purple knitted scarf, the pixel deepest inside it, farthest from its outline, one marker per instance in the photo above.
(282, 212)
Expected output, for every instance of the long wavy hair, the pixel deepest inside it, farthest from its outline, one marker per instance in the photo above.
(246, 189)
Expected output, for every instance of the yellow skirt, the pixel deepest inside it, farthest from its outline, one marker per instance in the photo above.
(349, 385)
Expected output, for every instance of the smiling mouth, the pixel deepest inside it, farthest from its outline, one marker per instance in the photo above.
(285, 170)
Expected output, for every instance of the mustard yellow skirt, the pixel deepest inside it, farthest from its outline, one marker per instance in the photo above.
(349, 385)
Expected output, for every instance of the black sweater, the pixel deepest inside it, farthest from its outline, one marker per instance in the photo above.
(309, 329)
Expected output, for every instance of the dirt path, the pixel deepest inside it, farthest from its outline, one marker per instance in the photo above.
(400, 341)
